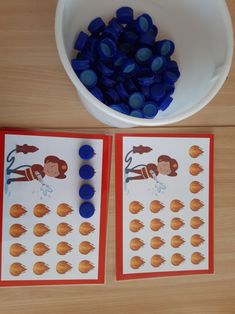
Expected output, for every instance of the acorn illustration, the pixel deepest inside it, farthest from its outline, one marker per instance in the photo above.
(39, 268)
(156, 242)
(135, 207)
(197, 258)
(17, 230)
(176, 205)
(17, 211)
(196, 187)
(86, 247)
(196, 204)
(40, 210)
(40, 230)
(63, 210)
(63, 229)
(157, 260)
(135, 225)
(155, 206)
(177, 259)
(195, 151)
(63, 248)
(86, 228)
(17, 269)
(136, 262)
(196, 240)
(85, 266)
(16, 249)
(156, 224)
(196, 222)
(136, 244)
(177, 241)
(177, 223)
(195, 169)
(63, 267)
(40, 248)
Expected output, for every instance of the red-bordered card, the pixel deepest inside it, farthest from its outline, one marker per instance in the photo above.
(164, 205)
(47, 237)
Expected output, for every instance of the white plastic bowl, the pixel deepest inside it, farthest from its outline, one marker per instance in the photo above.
(201, 30)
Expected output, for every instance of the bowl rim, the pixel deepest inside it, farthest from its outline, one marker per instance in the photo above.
(141, 121)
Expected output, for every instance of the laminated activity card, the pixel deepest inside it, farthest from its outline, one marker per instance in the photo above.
(54, 194)
(164, 205)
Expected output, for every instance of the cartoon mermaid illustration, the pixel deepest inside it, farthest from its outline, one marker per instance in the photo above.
(52, 167)
(165, 165)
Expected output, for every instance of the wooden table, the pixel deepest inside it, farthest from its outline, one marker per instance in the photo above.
(35, 92)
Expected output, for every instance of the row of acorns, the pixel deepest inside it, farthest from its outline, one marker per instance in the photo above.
(157, 260)
(157, 242)
(40, 210)
(39, 268)
(40, 229)
(155, 206)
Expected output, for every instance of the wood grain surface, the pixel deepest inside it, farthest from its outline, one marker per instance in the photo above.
(36, 93)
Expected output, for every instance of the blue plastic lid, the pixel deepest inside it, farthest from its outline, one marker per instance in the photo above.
(144, 23)
(111, 33)
(158, 64)
(136, 114)
(130, 37)
(143, 55)
(86, 172)
(150, 110)
(88, 78)
(125, 108)
(86, 192)
(104, 69)
(147, 38)
(129, 68)
(154, 30)
(121, 90)
(145, 90)
(170, 77)
(157, 91)
(96, 91)
(136, 100)
(86, 152)
(146, 80)
(165, 103)
(119, 59)
(107, 82)
(81, 41)
(86, 210)
(107, 48)
(124, 15)
(112, 95)
(126, 47)
(80, 64)
(130, 85)
(170, 88)
(96, 26)
(165, 47)
(115, 25)
(117, 108)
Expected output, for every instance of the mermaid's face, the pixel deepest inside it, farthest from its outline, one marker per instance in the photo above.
(164, 167)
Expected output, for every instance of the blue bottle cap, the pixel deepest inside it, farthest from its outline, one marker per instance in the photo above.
(131, 87)
(111, 33)
(157, 91)
(125, 108)
(96, 91)
(170, 88)
(121, 90)
(112, 96)
(126, 48)
(158, 78)
(119, 59)
(86, 152)
(116, 26)
(146, 80)
(154, 30)
(136, 100)
(86, 192)
(124, 15)
(86, 210)
(86, 172)
(88, 78)
(136, 114)
(107, 48)
(80, 64)
(170, 77)
(165, 47)
(105, 70)
(81, 41)
(144, 23)
(116, 107)
(129, 68)
(158, 64)
(172, 65)
(145, 90)
(130, 37)
(107, 82)
(143, 55)
(96, 26)
(165, 103)
(150, 110)
(147, 38)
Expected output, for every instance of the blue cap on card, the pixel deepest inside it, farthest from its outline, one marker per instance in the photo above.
(157, 91)
(86, 210)
(150, 110)
(86, 192)
(136, 114)
(86, 172)
(124, 15)
(143, 55)
(86, 152)
(88, 78)
(136, 100)
(96, 26)
(81, 41)
(144, 23)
